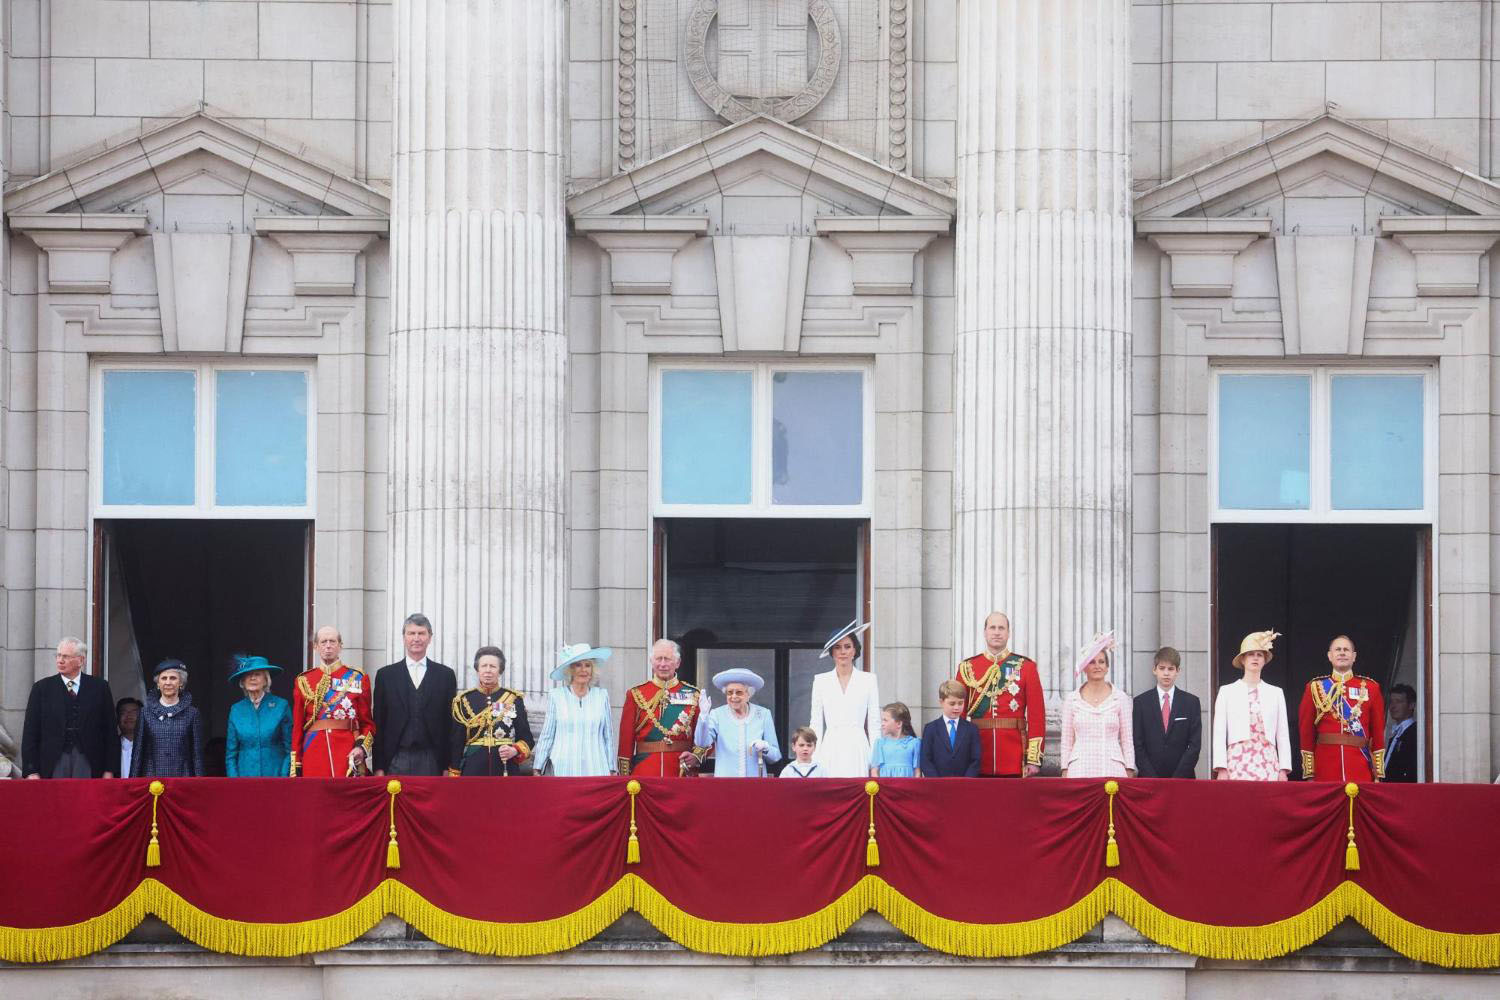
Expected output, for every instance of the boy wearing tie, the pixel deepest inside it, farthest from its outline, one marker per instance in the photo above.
(950, 743)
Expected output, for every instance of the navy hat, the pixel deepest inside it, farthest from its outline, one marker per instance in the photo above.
(250, 664)
(168, 664)
(853, 628)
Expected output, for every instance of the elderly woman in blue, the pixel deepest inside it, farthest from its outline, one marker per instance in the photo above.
(575, 738)
(742, 736)
(259, 738)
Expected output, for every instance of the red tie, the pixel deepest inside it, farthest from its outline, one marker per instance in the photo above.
(1166, 711)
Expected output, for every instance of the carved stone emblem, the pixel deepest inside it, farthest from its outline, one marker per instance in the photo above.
(762, 56)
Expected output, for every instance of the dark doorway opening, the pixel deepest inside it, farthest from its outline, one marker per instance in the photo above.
(1312, 582)
(763, 594)
(200, 591)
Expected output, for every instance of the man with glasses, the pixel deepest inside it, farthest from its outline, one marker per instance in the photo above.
(70, 728)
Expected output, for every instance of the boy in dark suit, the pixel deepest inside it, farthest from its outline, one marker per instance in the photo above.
(1167, 723)
(950, 743)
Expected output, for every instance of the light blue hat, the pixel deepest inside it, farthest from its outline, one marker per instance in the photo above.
(739, 675)
(578, 651)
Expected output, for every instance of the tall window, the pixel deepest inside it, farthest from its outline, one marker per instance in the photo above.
(199, 440)
(761, 440)
(1319, 444)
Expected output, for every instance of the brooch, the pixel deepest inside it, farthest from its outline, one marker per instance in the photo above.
(1014, 704)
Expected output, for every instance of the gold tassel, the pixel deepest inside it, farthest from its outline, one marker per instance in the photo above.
(1351, 852)
(153, 849)
(392, 850)
(1111, 849)
(633, 845)
(872, 849)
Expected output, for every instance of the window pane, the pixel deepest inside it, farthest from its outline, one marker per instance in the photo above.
(705, 437)
(148, 437)
(260, 439)
(1263, 442)
(817, 438)
(1377, 442)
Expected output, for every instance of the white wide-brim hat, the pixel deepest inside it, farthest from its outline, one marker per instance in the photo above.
(853, 628)
(575, 653)
(739, 675)
(1098, 644)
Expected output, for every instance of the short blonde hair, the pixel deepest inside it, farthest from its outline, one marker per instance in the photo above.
(804, 734)
(951, 688)
(568, 671)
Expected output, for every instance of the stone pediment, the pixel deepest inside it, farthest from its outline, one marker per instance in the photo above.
(762, 175)
(199, 156)
(1323, 175)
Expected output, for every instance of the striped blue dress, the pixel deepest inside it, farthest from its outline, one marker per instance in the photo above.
(575, 738)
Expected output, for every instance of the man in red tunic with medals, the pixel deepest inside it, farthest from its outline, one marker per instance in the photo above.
(1342, 722)
(332, 732)
(659, 718)
(1005, 701)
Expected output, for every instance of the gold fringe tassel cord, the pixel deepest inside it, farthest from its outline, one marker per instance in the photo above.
(872, 849)
(52, 944)
(1351, 852)
(1111, 849)
(153, 848)
(392, 849)
(633, 845)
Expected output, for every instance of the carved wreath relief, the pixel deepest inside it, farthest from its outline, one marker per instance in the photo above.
(760, 57)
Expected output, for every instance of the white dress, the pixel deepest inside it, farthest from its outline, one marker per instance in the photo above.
(845, 719)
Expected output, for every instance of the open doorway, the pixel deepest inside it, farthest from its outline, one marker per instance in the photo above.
(200, 590)
(762, 593)
(1312, 582)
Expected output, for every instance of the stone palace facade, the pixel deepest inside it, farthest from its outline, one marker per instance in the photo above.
(571, 321)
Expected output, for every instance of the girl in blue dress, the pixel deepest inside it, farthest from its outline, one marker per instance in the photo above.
(896, 753)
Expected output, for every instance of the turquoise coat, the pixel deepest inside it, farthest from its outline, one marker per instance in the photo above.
(259, 739)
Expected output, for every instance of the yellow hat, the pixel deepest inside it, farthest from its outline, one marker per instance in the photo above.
(1256, 642)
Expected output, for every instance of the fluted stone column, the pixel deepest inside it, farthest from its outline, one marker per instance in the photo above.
(477, 347)
(1042, 384)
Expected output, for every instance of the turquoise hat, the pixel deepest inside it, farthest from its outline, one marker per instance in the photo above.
(577, 652)
(250, 664)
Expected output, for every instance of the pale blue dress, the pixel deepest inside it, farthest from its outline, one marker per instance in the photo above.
(731, 738)
(896, 757)
(575, 738)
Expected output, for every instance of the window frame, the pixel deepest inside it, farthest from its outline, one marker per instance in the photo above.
(204, 443)
(761, 419)
(1320, 509)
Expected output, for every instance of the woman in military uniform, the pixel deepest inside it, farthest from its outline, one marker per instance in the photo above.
(491, 735)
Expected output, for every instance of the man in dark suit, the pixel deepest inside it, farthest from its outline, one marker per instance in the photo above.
(1168, 723)
(1401, 735)
(950, 743)
(414, 707)
(70, 728)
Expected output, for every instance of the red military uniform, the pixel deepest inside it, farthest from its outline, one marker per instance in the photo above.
(330, 715)
(1342, 726)
(656, 726)
(1005, 701)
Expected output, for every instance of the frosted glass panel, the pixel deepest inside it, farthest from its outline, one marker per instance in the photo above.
(1377, 442)
(1263, 442)
(817, 438)
(148, 437)
(705, 437)
(260, 439)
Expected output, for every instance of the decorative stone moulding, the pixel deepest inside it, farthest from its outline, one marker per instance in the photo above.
(79, 246)
(641, 247)
(1202, 251)
(1447, 248)
(202, 280)
(324, 248)
(896, 86)
(734, 108)
(884, 248)
(625, 86)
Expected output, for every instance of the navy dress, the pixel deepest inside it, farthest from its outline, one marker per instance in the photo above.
(168, 739)
(259, 738)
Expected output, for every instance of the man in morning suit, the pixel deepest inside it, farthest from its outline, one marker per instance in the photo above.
(70, 730)
(1005, 703)
(1167, 724)
(413, 698)
(1401, 735)
(950, 743)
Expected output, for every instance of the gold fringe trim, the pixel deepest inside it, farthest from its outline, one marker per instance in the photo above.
(1450, 950)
